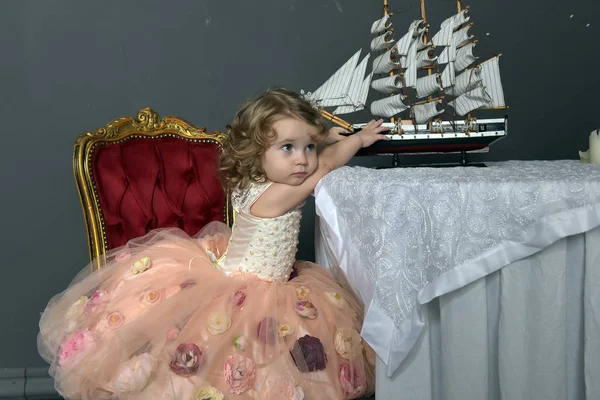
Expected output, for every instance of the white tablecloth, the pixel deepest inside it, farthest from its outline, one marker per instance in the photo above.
(527, 331)
(404, 237)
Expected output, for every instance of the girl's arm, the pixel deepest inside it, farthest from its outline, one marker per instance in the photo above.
(334, 136)
(279, 198)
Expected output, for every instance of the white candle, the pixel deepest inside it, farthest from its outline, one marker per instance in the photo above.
(595, 147)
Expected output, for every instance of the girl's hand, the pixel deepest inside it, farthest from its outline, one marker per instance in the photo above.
(371, 133)
(335, 136)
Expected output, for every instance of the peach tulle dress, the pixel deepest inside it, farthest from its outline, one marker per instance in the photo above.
(227, 314)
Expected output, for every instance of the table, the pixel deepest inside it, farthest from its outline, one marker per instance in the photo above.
(478, 283)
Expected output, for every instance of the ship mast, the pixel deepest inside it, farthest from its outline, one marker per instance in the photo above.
(429, 68)
(425, 37)
(392, 72)
(404, 89)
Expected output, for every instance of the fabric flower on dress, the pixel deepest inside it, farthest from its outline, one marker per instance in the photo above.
(173, 333)
(280, 388)
(286, 329)
(97, 302)
(239, 298)
(77, 308)
(347, 343)
(218, 322)
(239, 373)
(75, 311)
(187, 284)
(308, 354)
(75, 345)
(133, 376)
(306, 309)
(352, 381)
(335, 299)
(187, 359)
(122, 256)
(141, 265)
(214, 261)
(152, 297)
(114, 320)
(207, 393)
(268, 330)
(302, 292)
(240, 342)
(292, 392)
(211, 249)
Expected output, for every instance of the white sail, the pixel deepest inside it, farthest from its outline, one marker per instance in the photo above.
(403, 44)
(459, 38)
(443, 37)
(382, 42)
(465, 82)
(333, 92)
(491, 79)
(411, 56)
(388, 85)
(410, 62)
(417, 26)
(348, 88)
(389, 106)
(447, 55)
(472, 100)
(410, 75)
(448, 75)
(358, 91)
(462, 36)
(456, 20)
(425, 112)
(425, 58)
(359, 101)
(427, 85)
(386, 62)
(464, 57)
(381, 25)
(419, 40)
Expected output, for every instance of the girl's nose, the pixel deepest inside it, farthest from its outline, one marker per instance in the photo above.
(301, 159)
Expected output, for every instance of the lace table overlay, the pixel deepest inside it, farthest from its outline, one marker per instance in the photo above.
(412, 225)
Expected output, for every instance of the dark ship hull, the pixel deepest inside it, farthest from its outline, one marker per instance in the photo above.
(483, 134)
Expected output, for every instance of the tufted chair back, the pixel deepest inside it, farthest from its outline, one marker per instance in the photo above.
(143, 173)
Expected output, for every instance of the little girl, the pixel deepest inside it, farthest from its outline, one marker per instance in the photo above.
(228, 314)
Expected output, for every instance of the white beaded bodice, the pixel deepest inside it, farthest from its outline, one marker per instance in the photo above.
(265, 247)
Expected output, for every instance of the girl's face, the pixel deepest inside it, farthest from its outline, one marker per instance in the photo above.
(292, 155)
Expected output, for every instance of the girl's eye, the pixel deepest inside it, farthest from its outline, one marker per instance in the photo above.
(310, 147)
(286, 147)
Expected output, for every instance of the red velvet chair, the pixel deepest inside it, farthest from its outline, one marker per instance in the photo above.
(143, 173)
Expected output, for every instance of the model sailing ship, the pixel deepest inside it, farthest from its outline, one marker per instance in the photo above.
(419, 88)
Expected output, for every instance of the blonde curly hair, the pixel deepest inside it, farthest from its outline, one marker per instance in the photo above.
(251, 134)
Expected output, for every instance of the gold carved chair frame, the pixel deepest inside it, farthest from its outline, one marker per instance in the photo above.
(146, 124)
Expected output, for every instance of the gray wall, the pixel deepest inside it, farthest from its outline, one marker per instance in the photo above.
(69, 66)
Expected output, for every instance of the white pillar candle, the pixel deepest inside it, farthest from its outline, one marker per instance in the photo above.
(595, 147)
